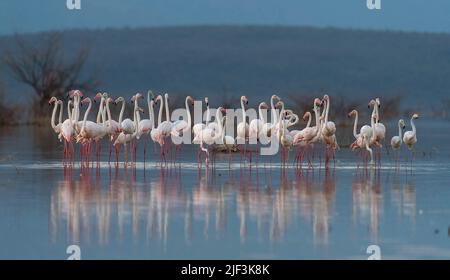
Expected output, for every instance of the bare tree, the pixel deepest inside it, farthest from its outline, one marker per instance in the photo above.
(44, 67)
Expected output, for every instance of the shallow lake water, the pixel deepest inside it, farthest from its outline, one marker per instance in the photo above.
(183, 212)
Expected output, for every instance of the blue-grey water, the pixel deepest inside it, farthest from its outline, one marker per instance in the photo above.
(181, 212)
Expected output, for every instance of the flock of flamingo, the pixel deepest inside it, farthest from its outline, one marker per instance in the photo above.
(211, 136)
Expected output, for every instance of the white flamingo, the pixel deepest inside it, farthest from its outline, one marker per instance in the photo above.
(125, 138)
(198, 127)
(180, 127)
(126, 125)
(328, 130)
(112, 128)
(267, 127)
(396, 141)
(56, 127)
(365, 133)
(256, 125)
(410, 137)
(242, 127)
(209, 136)
(146, 125)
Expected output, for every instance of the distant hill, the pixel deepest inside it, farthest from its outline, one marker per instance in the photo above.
(259, 61)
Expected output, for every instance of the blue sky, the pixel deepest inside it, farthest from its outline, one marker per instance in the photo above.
(409, 15)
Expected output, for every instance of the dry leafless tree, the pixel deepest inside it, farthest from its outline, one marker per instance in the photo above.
(45, 67)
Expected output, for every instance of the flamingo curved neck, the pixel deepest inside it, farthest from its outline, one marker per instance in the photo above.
(149, 106)
(61, 109)
(151, 114)
(86, 114)
(69, 112)
(188, 112)
(100, 110)
(317, 113)
(261, 116)
(327, 110)
(281, 122)
(121, 111)
(355, 125)
(208, 115)
(219, 123)
(413, 126)
(167, 108)
(273, 111)
(309, 120)
(244, 116)
(52, 121)
(400, 131)
(108, 112)
(160, 110)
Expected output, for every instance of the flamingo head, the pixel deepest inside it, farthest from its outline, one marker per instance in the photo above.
(317, 102)
(402, 124)
(86, 100)
(279, 104)
(206, 102)
(221, 109)
(264, 105)
(371, 103)
(109, 100)
(306, 115)
(119, 99)
(189, 98)
(105, 95)
(99, 95)
(377, 100)
(275, 97)
(78, 93)
(244, 98)
(352, 113)
(136, 97)
(166, 96)
(415, 116)
(158, 98)
(53, 99)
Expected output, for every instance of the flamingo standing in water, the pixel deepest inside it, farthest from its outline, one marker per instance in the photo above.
(90, 131)
(163, 130)
(125, 138)
(112, 127)
(210, 136)
(56, 127)
(380, 129)
(267, 128)
(180, 127)
(285, 138)
(255, 126)
(396, 141)
(146, 125)
(364, 133)
(410, 137)
(310, 135)
(198, 127)
(242, 127)
(328, 132)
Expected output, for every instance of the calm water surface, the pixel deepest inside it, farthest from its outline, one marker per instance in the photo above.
(262, 213)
